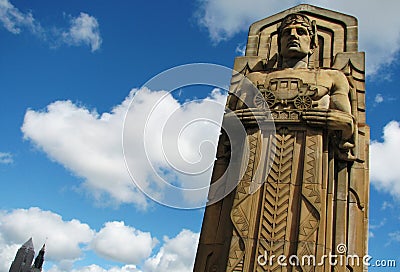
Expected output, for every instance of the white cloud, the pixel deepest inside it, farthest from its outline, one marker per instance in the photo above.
(7, 254)
(96, 268)
(225, 18)
(378, 98)
(241, 49)
(6, 158)
(14, 20)
(376, 227)
(174, 143)
(379, 225)
(380, 37)
(177, 254)
(384, 170)
(89, 144)
(68, 241)
(63, 238)
(84, 30)
(122, 243)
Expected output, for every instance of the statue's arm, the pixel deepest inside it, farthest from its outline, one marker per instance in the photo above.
(338, 116)
(238, 93)
(340, 101)
(339, 95)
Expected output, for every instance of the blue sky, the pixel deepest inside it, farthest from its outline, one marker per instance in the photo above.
(69, 70)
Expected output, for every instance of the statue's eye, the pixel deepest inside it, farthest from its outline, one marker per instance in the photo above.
(301, 31)
(286, 32)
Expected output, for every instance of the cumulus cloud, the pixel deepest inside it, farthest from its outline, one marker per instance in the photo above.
(379, 37)
(6, 158)
(63, 238)
(177, 254)
(175, 143)
(68, 240)
(385, 173)
(84, 30)
(89, 144)
(7, 254)
(122, 243)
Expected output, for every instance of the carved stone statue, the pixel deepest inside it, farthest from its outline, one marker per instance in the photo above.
(301, 71)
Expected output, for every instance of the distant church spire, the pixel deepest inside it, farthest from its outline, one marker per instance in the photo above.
(39, 260)
(24, 258)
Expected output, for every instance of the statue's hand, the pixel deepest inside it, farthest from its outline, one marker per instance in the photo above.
(249, 116)
(313, 91)
(331, 119)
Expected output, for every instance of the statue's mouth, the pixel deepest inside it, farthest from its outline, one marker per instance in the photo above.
(293, 44)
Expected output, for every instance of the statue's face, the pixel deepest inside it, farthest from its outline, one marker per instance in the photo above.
(295, 41)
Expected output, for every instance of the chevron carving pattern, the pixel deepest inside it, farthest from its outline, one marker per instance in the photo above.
(273, 226)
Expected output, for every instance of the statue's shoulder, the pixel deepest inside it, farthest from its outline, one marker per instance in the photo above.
(333, 74)
(331, 71)
(323, 73)
(257, 76)
(266, 75)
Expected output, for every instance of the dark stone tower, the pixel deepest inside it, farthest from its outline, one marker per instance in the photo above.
(23, 259)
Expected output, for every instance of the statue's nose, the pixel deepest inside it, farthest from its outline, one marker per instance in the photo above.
(293, 32)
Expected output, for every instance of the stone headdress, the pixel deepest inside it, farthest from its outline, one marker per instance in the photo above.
(299, 18)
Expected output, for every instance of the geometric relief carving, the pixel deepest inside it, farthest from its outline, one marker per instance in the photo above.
(310, 181)
(274, 221)
(239, 267)
(310, 201)
(311, 192)
(290, 215)
(241, 211)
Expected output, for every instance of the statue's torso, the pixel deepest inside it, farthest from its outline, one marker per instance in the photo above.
(295, 88)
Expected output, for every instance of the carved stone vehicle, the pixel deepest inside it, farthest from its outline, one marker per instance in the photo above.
(285, 93)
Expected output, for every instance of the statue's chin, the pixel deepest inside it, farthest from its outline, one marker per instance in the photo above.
(295, 53)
